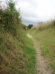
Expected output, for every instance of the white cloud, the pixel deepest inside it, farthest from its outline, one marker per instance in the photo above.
(37, 10)
(45, 8)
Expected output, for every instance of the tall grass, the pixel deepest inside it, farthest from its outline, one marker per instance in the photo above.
(44, 26)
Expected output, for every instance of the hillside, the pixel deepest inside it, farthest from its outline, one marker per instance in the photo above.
(45, 36)
(17, 55)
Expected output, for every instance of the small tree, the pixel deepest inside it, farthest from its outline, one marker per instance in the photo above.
(30, 26)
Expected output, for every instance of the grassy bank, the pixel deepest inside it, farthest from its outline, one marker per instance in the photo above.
(45, 35)
(17, 55)
(29, 51)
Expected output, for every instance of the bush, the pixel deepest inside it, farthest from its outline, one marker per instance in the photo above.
(30, 26)
(10, 18)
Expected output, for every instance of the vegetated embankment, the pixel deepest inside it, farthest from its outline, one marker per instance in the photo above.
(17, 55)
(45, 36)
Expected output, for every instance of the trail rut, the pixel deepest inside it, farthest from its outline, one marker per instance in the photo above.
(41, 63)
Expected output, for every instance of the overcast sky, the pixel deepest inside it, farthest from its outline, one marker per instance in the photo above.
(34, 11)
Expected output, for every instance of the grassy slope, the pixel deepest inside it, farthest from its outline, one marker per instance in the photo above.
(16, 57)
(46, 39)
(30, 56)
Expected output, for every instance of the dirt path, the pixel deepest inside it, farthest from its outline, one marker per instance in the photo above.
(41, 63)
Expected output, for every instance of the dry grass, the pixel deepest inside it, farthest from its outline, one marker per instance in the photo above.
(44, 26)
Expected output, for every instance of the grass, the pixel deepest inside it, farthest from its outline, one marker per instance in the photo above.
(44, 26)
(30, 55)
(46, 40)
(16, 56)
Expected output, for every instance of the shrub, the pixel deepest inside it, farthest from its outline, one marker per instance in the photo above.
(30, 26)
(10, 18)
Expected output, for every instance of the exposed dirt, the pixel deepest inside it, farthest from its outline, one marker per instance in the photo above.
(42, 65)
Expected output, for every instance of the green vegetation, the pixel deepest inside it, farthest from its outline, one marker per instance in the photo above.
(17, 55)
(45, 35)
(30, 26)
(30, 56)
